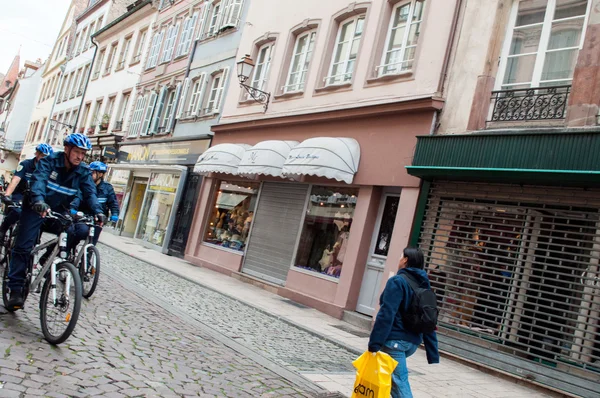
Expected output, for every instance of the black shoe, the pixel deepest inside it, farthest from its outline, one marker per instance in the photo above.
(16, 300)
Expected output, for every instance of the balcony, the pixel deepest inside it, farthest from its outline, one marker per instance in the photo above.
(530, 104)
(10, 145)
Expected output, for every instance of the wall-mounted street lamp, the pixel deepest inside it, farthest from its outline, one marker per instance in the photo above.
(244, 69)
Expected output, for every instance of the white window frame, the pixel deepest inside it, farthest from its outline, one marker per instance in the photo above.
(214, 94)
(98, 63)
(155, 50)
(124, 52)
(111, 58)
(185, 41)
(169, 47)
(148, 114)
(214, 18)
(259, 82)
(123, 105)
(346, 60)
(197, 91)
(232, 14)
(398, 68)
(305, 60)
(169, 109)
(542, 47)
(164, 4)
(138, 50)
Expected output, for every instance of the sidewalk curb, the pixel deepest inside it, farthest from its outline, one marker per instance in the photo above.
(263, 311)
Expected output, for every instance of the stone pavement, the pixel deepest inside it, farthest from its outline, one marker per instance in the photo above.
(297, 338)
(126, 345)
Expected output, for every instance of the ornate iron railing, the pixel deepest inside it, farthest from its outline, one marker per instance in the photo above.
(542, 103)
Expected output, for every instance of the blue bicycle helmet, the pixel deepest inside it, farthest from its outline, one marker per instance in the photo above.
(98, 166)
(78, 140)
(45, 149)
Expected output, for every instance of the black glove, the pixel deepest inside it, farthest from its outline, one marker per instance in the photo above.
(100, 218)
(6, 198)
(40, 207)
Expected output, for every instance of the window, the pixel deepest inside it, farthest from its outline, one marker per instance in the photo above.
(213, 26)
(300, 61)
(86, 113)
(232, 14)
(84, 77)
(149, 113)
(73, 118)
(122, 112)
(164, 4)
(346, 51)
(138, 114)
(54, 85)
(154, 50)
(139, 46)
(167, 117)
(42, 94)
(98, 25)
(196, 98)
(158, 207)
(69, 86)
(107, 115)
(167, 53)
(545, 40)
(61, 91)
(96, 116)
(124, 53)
(233, 209)
(216, 92)
(98, 65)
(88, 31)
(261, 70)
(77, 43)
(111, 58)
(186, 35)
(402, 38)
(326, 230)
(76, 82)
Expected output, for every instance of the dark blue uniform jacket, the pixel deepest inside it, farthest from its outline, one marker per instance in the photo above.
(106, 198)
(24, 172)
(52, 183)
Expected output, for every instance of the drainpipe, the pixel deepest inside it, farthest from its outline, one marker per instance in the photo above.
(58, 90)
(449, 47)
(86, 85)
(187, 73)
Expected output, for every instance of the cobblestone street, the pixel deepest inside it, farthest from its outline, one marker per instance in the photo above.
(130, 342)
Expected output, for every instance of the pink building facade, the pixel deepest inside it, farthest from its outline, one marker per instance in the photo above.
(307, 195)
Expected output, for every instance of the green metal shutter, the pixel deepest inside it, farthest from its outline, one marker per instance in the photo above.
(275, 231)
(516, 270)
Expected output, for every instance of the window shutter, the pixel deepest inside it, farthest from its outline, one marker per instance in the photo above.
(183, 38)
(158, 110)
(234, 14)
(221, 17)
(136, 119)
(182, 99)
(219, 99)
(148, 114)
(170, 43)
(203, 17)
(200, 100)
(171, 120)
(190, 36)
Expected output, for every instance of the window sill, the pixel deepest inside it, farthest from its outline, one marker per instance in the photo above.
(334, 88)
(180, 57)
(134, 63)
(390, 78)
(119, 69)
(315, 274)
(225, 249)
(106, 74)
(288, 96)
(199, 118)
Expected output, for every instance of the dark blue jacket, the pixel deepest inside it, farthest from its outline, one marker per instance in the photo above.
(393, 302)
(106, 197)
(24, 172)
(52, 183)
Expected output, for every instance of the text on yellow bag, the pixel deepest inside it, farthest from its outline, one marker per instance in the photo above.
(373, 375)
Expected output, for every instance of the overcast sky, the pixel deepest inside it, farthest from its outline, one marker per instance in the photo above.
(31, 24)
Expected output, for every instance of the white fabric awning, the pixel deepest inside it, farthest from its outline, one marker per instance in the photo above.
(330, 157)
(266, 157)
(222, 158)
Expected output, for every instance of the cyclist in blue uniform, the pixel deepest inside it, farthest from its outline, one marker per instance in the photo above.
(55, 182)
(106, 198)
(19, 185)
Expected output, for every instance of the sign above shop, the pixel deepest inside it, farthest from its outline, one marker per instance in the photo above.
(180, 153)
(109, 152)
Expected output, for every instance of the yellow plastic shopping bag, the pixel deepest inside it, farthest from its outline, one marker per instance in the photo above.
(373, 375)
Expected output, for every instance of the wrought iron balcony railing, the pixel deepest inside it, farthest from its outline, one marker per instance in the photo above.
(530, 104)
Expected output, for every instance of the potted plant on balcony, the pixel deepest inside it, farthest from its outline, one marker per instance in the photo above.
(81, 130)
(105, 120)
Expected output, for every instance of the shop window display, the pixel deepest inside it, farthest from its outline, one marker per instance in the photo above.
(326, 230)
(119, 180)
(232, 214)
(158, 206)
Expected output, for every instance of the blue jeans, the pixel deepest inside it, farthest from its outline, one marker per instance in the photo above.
(400, 350)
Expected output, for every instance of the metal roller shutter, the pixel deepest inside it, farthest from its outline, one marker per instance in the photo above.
(275, 231)
(516, 270)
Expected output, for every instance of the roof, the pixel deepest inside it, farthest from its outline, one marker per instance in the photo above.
(131, 9)
(11, 76)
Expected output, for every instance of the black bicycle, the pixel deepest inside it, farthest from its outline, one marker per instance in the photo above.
(61, 294)
(87, 257)
(6, 244)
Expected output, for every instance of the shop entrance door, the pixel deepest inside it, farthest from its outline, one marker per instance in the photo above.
(371, 283)
(185, 214)
(134, 206)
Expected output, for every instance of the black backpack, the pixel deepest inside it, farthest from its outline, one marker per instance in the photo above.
(422, 312)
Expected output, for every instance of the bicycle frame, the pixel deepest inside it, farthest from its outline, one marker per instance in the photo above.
(83, 248)
(51, 263)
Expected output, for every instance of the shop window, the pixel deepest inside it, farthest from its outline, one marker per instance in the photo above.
(232, 213)
(326, 230)
(158, 206)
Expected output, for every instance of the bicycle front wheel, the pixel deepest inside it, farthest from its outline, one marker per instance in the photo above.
(90, 272)
(58, 318)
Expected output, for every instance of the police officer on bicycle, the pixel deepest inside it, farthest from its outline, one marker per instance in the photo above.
(56, 181)
(19, 185)
(106, 198)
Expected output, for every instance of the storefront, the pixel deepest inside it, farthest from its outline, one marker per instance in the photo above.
(320, 219)
(153, 183)
(513, 249)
